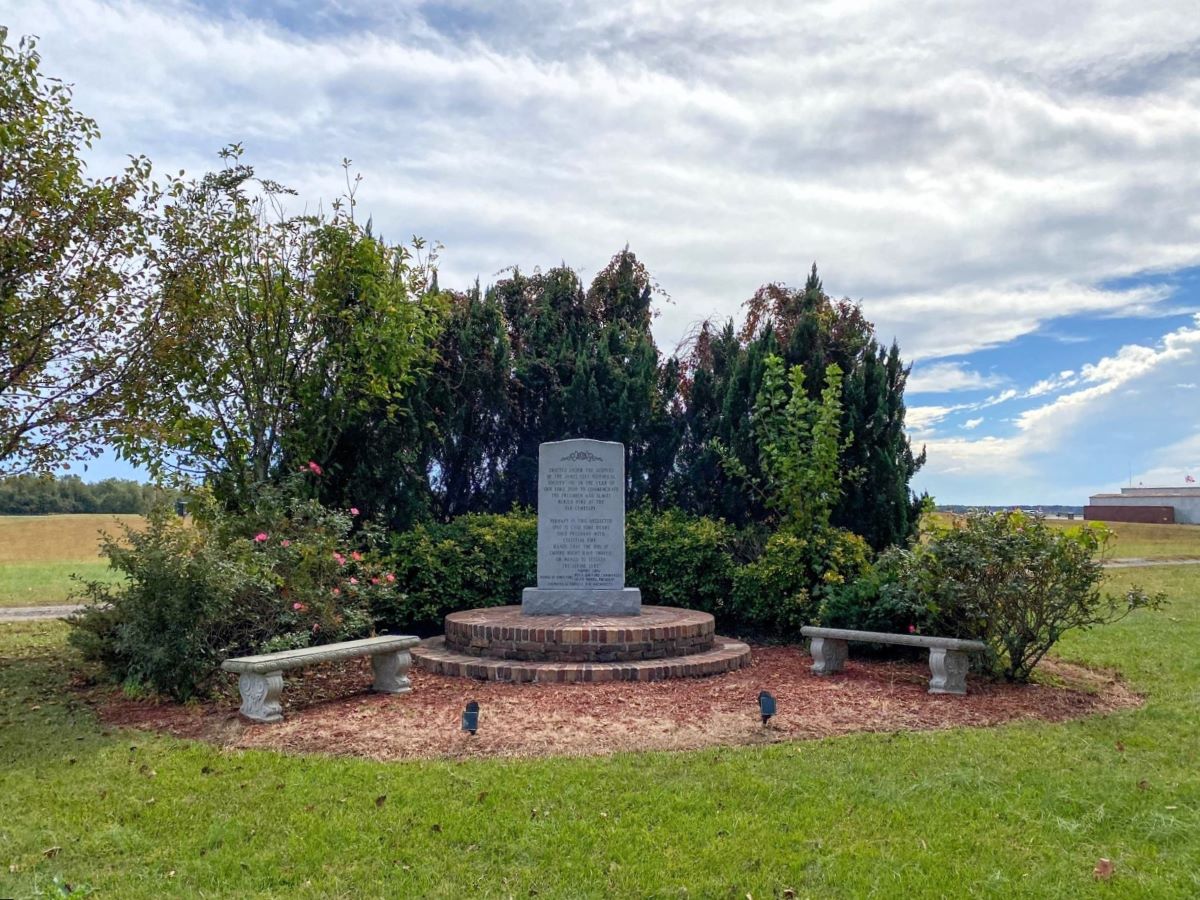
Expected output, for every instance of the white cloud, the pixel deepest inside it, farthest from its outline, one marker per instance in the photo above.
(972, 424)
(971, 318)
(972, 173)
(1003, 397)
(950, 376)
(1057, 382)
(920, 420)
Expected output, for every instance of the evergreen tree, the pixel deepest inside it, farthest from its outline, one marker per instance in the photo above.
(537, 357)
(813, 332)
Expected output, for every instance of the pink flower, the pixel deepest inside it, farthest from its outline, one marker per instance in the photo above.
(314, 468)
(338, 558)
(354, 510)
(353, 580)
(374, 581)
(337, 592)
(285, 543)
(299, 606)
(260, 537)
(912, 629)
(390, 577)
(356, 556)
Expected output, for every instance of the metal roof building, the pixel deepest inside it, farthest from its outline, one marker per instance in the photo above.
(1147, 504)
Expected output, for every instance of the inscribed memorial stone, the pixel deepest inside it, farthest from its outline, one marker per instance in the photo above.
(581, 532)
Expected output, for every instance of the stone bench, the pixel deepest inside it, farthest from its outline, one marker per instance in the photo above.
(948, 661)
(261, 677)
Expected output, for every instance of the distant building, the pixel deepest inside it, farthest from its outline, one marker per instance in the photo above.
(1147, 504)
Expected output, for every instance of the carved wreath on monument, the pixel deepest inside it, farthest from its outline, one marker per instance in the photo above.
(582, 456)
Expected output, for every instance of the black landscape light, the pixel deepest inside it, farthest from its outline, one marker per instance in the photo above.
(470, 720)
(766, 706)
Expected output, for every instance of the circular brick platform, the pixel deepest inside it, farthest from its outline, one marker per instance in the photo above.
(500, 644)
(725, 655)
(504, 633)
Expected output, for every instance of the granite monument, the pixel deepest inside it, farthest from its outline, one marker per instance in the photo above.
(581, 532)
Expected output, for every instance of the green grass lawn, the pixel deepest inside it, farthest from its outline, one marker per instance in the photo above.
(39, 554)
(1024, 810)
(1155, 541)
(42, 583)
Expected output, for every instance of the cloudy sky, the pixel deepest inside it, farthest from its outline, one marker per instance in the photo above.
(1011, 189)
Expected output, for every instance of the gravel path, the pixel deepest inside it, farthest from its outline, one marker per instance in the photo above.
(1134, 563)
(34, 613)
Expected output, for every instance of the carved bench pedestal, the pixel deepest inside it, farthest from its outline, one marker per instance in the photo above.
(829, 655)
(260, 696)
(391, 672)
(948, 669)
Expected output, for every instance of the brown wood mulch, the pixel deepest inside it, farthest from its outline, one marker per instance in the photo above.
(328, 710)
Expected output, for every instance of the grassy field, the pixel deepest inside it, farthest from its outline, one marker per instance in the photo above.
(1154, 541)
(1019, 811)
(39, 554)
(1141, 541)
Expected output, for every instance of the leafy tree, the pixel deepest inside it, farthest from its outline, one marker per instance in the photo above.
(469, 402)
(76, 317)
(877, 501)
(571, 363)
(283, 329)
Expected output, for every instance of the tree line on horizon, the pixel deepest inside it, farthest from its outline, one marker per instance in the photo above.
(33, 495)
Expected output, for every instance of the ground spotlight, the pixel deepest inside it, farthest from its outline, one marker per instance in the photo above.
(766, 706)
(470, 717)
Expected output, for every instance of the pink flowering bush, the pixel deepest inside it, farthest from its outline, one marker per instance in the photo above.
(282, 572)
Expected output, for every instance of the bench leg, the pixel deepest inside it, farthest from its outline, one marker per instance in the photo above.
(829, 655)
(949, 671)
(391, 672)
(260, 696)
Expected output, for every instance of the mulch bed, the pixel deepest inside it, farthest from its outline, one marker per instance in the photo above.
(328, 710)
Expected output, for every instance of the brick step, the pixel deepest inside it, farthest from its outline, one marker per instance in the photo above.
(725, 655)
(503, 632)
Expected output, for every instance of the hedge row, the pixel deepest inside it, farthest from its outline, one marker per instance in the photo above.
(674, 558)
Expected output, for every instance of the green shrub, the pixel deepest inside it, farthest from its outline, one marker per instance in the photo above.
(676, 559)
(1013, 582)
(878, 600)
(473, 561)
(680, 560)
(482, 560)
(280, 574)
(782, 590)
